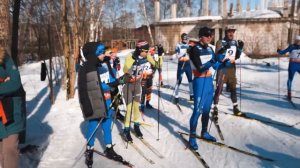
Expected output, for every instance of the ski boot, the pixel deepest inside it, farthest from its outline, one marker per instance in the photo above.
(126, 135)
(137, 130)
(176, 100)
(289, 96)
(237, 112)
(215, 113)
(89, 156)
(191, 97)
(208, 137)
(193, 142)
(111, 154)
(148, 105)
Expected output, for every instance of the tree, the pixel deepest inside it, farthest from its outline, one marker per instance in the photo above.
(147, 17)
(15, 32)
(4, 24)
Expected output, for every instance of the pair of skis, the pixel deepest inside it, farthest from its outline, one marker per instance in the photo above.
(123, 162)
(200, 158)
(149, 146)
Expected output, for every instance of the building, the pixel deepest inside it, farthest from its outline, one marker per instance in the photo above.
(263, 30)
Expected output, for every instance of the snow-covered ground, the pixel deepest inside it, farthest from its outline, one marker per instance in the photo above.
(59, 130)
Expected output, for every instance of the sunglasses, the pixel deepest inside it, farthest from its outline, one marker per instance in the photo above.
(143, 50)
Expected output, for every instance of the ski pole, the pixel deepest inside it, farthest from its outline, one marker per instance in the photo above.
(158, 117)
(177, 82)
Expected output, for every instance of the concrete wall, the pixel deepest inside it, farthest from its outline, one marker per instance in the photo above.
(262, 37)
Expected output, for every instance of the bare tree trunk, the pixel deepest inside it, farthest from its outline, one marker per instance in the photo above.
(69, 61)
(4, 23)
(147, 21)
(50, 52)
(94, 23)
(15, 34)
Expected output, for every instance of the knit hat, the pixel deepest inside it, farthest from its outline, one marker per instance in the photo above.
(142, 45)
(100, 49)
(184, 36)
(205, 31)
(230, 27)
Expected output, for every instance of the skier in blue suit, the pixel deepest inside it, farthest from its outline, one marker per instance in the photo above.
(202, 58)
(183, 67)
(294, 63)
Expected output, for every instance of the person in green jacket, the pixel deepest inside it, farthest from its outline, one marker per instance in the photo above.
(13, 105)
(134, 67)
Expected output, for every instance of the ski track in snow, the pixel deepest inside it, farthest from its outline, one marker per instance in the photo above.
(59, 129)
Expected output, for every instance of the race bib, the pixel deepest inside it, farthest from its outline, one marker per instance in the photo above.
(182, 52)
(104, 77)
(147, 68)
(231, 52)
(205, 58)
(295, 54)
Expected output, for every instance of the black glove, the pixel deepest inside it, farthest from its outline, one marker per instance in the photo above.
(278, 50)
(240, 44)
(117, 60)
(224, 48)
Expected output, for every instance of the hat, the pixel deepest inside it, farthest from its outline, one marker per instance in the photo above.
(184, 36)
(142, 45)
(230, 27)
(297, 38)
(100, 49)
(192, 39)
(205, 31)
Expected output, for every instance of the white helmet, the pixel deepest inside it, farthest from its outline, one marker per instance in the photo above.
(297, 38)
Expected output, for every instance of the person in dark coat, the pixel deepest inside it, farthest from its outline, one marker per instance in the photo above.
(12, 111)
(95, 99)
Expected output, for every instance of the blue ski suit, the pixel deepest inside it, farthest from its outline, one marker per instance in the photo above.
(294, 63)
(183, 67)
(106, 77)
(202, 58)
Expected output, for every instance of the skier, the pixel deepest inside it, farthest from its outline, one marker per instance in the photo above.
(12, 111)
(202, 57)
(135, 65)
(160, 52)
(114, 66)
(294, 63)
(91, 96)
(147, 79)
(232, 49)
(183, 66)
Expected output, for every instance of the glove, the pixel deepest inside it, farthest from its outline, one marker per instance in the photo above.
(278, 50)
(240, 44)
(117, 60)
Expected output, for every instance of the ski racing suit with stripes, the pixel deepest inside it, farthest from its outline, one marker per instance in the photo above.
(183, 67)
(294, 63)
(202, 58)
(106, 76)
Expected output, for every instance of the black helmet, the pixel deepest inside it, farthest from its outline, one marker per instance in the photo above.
(205, 31)
(184, 36)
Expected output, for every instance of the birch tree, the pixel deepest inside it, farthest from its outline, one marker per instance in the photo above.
(142, 6)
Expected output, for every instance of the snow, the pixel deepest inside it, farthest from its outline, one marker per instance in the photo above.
(186, 19)
(59, 129)
(257, 14)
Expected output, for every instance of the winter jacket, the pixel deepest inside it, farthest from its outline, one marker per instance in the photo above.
(12, 96)
(91, 97)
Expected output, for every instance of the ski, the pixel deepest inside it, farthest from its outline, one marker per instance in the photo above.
(124, 162)
(139, 151)
(230, 147)
(179, 108)
(196, 153)
(216, 123)
(150, 147)
(255, 119)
